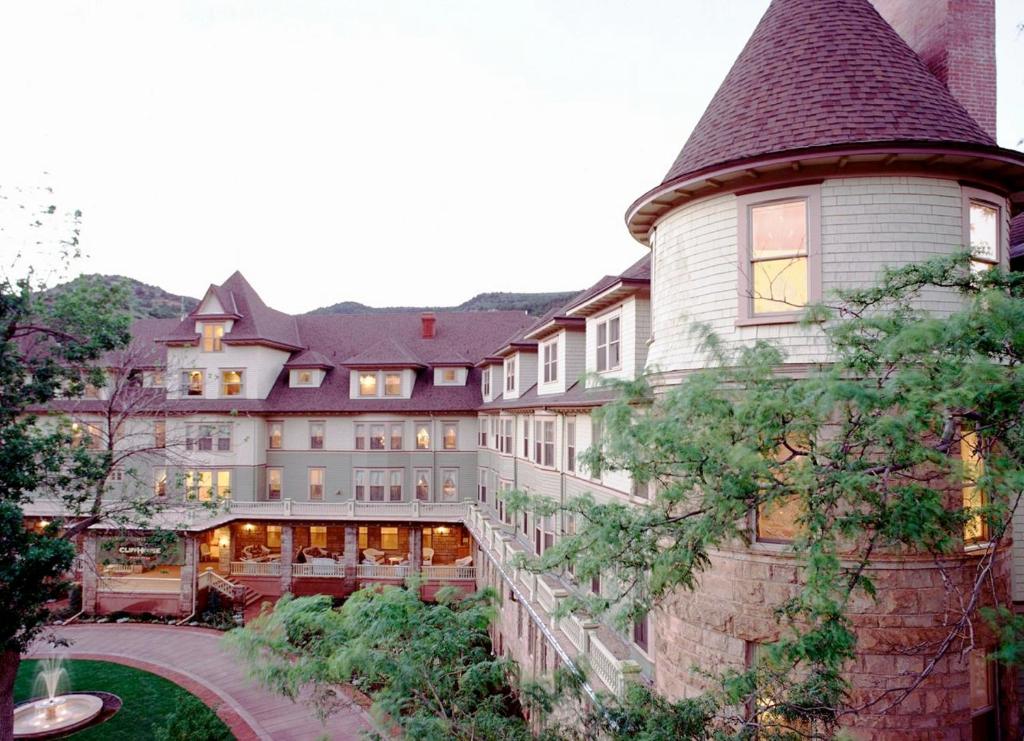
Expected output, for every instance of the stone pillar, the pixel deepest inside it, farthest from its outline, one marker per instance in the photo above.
(90, 573)
(416, 548)
(187, 590)
(287, 553)
(226, 550)
(351, 549)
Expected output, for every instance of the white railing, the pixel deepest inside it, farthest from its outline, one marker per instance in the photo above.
(549, 596)
(576, 631)
(380, 571)
(138, 584)
(448, 511)
(210, 579)
(615, 673)
(449, 572)
(255, 568)
(333, 569)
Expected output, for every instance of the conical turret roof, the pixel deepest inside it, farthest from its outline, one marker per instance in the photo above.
(818, 74)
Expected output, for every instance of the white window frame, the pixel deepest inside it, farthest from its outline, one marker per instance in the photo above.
(445, 428)
(384, 383)
(214, 342)
(241, 383)
(400, 427)
(280, 482)
(605, 324)
(452, 473)
(420, 427)
(485, 382)
(395, 480)
(549, 358)
(323, 434)
(427, 474)
(973, 196)
(510, 374)
(271, 424)
(310, 484)
(186, 382)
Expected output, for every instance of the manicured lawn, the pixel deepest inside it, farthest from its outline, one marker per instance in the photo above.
(148, 699)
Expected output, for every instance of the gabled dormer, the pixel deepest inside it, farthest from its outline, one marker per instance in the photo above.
(519, 368)
(386, 370)
(491, 378)
(561, 352)
(307, 369)
(617, 313)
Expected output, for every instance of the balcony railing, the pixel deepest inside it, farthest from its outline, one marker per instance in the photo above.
(616, 673)
(449, 573)
(381, 571)
(255, 568)
(444, 511)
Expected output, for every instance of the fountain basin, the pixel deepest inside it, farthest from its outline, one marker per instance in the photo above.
(52, 716)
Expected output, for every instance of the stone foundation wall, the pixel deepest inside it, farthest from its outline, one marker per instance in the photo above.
(733, 607)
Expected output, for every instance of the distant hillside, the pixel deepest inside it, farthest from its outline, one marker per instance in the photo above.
(532, 303)
(147, 301)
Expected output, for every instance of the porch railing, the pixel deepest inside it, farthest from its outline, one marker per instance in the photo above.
(443, 573)
(210, 579)
(380, 571)
(334, 570)
(255, 568)
(444, 511)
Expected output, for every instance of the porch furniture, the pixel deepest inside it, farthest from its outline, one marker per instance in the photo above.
(428, 556)
(314, 551)
(255, 552)
(204, 552)
(394, 560)
(373, 555)
(464, 561)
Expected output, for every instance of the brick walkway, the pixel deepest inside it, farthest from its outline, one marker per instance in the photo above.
(195, 659)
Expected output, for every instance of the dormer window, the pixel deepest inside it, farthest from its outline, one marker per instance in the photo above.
(609, 353)
(448, 375)
(510, 374)
(212, 334)
(551, 362)
(392, 384)
(231, 383)
(304, 377)
(367, 384)
(192, 382)
(486, 381)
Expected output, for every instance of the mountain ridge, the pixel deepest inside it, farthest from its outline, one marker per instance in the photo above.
(149, 301)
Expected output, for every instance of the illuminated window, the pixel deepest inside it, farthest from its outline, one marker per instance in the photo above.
(318, 536)
(367, 384)
(422, 436)
(984, 235)
(389, 538)
(451, 435)
(449, 484)
(364, 537)
(159, 434)
(392, 384)
(274, 536)
(316, 484)
(975, 529)
(376, 437)
(192, 382)
(274, 478)
(223, 484)
(609, 352)
(275, 435)
(423, 484)
(231, 383)
(778, 521)
(448, 375)
(551, 362)
(204, 485)
(316, 435)
(778, 256)
(212, 334)
(304, 378)
(160, 482)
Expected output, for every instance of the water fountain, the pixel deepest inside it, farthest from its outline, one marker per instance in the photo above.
(55, 713)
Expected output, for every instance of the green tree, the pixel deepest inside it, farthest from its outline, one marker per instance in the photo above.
(47, 349)
(428, 667)
(866, 452)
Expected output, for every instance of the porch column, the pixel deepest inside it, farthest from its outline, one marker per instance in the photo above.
(226, 549)
(287, 553)
(351, 557)
(90, 573)
(416, 547)
(187, 589)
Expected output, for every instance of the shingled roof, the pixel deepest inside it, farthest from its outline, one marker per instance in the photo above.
(256, 323)
(824, 83)
(823, 72)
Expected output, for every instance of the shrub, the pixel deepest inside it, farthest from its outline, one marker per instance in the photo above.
(192, 721)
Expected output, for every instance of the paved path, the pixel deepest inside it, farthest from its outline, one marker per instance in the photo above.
(195, 659)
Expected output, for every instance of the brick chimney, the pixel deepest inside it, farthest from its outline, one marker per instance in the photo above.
(427, 320)
(956, 39)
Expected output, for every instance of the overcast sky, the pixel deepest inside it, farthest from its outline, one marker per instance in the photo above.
(383, 151)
